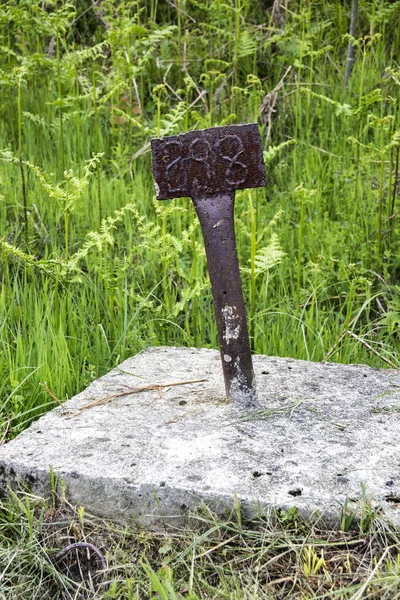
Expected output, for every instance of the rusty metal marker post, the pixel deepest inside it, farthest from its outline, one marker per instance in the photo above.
(208, 166)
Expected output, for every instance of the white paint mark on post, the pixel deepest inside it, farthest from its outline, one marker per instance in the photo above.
(238, 383)
(232, 331)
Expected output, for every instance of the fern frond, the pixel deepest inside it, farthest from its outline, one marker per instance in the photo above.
(247, 45)
(79, 57)
(395, 141)
(388, 14)
(100, 239)
(6, 78)
(8, 156)
(189, 293)
(36, 119)
(273, 151)
(270, 256)
(201, 5)
(156, 37)
(170, 122)
(274, 221)
(366, 101)
(340, 109)
(46, 266)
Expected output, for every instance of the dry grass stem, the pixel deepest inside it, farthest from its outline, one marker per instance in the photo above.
(137, 390)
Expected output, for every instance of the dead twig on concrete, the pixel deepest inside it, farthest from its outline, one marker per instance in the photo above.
(145, 388)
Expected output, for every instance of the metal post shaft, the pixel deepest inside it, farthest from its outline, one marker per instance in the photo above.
(216, 216)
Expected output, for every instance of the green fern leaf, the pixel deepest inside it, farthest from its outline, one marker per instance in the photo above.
(247, 45)
(270, 256)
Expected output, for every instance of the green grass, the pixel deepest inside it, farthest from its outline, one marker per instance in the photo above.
(93, 269)
(276, 557)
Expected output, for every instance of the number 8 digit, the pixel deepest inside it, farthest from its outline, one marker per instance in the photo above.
(230, 148)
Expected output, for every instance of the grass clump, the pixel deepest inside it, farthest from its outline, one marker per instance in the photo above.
(58, 552)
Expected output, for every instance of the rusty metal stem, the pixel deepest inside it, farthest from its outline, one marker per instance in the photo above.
(216, 216)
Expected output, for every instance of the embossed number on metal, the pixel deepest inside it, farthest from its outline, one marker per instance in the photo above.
(207, 162)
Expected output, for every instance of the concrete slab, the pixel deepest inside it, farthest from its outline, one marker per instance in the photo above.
(323, 431)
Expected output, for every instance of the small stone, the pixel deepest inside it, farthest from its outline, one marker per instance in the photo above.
(341, 479)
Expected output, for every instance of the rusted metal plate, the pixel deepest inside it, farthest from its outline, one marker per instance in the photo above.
(206, 162)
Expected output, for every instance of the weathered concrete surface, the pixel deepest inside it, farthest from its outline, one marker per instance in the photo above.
(325, 430)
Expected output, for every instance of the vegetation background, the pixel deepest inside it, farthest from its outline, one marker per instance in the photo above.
(93, 269)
